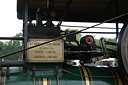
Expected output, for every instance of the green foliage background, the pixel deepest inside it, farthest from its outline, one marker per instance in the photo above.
(11, 46)
(108, 46)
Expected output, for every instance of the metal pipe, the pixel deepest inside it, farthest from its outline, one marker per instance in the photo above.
(110, 43)
(117, 23)
(33, 77)
(11, 38)
(39, 17)
(87, 26)
(100, 32)
(12, 63)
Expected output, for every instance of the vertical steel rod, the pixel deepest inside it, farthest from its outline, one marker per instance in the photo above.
(33, 77)
(117, 24)
(25, 26)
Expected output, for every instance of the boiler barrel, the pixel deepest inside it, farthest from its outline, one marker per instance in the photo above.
(63, 76)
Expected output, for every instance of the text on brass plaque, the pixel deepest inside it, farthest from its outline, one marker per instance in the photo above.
(50, 52)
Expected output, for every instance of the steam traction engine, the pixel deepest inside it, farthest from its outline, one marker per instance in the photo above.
(49, 56)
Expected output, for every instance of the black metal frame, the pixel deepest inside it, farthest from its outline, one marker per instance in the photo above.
(25, 28)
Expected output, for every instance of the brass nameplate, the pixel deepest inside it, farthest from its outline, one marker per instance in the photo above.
(50, 52)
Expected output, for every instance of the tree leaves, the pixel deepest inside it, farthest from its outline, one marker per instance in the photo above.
(11, 46)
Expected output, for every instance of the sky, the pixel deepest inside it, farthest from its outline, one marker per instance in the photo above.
(10, 25)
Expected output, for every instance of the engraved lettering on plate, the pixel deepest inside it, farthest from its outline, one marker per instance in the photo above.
(50, 52)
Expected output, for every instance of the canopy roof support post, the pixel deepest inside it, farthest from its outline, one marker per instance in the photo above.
(117, 27)
(25, 28)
